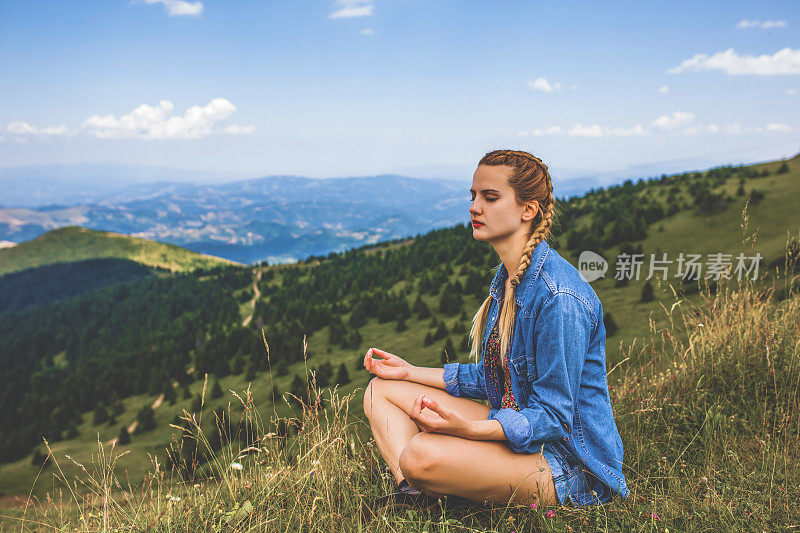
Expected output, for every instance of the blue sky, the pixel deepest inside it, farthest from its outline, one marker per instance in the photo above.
(355, 87)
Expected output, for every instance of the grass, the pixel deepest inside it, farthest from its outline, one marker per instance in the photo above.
(711, 429)
(74, 243)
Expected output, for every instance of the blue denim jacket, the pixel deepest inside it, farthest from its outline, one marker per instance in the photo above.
(557, 363)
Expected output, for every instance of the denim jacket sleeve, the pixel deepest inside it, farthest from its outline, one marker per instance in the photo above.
(560, 337)
(465, 380)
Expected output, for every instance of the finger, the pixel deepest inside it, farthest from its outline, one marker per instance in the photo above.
(435, 407)
(380, 353)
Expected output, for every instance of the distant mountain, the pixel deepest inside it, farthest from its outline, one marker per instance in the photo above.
(280, 218)
(78, 244)
(41, 185)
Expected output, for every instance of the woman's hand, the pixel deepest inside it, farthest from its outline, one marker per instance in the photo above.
(387, 366)
(439, 419)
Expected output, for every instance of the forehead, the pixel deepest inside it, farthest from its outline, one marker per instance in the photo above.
(491, 177)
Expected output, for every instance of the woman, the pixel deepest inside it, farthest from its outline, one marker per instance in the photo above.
(548, 434)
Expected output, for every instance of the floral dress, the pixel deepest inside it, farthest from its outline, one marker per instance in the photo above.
(496, 368)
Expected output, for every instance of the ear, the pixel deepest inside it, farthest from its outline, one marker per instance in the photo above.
(530, 211)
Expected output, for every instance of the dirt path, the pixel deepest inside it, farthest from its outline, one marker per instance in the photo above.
(256, 296)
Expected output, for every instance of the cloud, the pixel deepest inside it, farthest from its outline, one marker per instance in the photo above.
(541, 84)
(149, 122)
(179, 8)
(23, 129)
(777, 126)
(367, 31)
(698, 130)
(670, 122)
(352, 8)
(663, 89)
(738, 129)
(767, 24)
(239, 130)
(785, 61)
(791, 92)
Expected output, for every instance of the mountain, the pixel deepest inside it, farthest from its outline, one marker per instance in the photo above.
(280, 218)
(74, 243)
(42, 185)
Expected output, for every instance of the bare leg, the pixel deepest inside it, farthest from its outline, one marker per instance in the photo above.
(387, 404)
(477, 470)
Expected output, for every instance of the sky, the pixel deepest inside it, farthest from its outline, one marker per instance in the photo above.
(362, 87)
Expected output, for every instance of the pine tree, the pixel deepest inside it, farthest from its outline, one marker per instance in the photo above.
(647, 292)
(401, 325)
(100, 415)
(145, 420)
(421, 309)
(169, 394)
(216, 390)
(124, 436)
(441, 331)
(448, 354)
(342, 376)
(610, 324)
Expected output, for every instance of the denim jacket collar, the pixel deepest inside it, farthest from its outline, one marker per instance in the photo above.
(531, 273)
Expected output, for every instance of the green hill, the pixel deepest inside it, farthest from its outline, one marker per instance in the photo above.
(74, 243)
(88, 355)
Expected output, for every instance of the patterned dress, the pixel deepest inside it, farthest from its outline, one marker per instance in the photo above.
(496, 368)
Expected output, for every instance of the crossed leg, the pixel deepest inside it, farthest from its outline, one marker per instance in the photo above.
(444, 464)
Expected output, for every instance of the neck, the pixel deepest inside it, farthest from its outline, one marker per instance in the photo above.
(510, 252)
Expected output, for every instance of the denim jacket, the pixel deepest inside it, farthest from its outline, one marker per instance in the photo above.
(557, 363)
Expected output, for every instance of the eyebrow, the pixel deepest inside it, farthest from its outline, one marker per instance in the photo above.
(486, 190)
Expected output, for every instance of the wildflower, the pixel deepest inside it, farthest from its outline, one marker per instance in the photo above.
(654, 516)
(172, 498)
(236, 466)
(534, 506)
(551, 513)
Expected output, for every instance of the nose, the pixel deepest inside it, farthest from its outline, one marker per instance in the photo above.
(474, 208)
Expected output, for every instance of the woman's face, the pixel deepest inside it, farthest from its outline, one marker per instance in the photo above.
(495, 213)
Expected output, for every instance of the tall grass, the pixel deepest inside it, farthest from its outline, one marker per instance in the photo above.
(710, 428)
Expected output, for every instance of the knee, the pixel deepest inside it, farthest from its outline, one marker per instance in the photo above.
(374, 392)
(420, 459)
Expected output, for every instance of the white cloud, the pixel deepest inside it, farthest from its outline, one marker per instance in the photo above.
(777, 126)
(352, 8)
(767, 24)
(663, 89)
(21, 128)
(148, 122)
(239, 130)
(367, 31)
(597, 131)
(791, 92)
(670, 122)
(179, 8)
(699, 130)
(785, 61)
(541, 84)
(738, 129)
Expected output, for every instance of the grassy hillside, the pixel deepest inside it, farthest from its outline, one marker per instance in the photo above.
(74, 243)
(321, 296)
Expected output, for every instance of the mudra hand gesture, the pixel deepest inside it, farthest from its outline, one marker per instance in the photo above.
(387, 366)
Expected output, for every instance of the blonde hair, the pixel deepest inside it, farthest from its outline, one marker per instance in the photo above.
(531, 182)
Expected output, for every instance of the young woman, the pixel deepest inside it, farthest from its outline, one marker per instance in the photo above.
(548, 434)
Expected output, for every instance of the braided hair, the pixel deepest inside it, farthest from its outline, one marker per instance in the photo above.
(531, 182)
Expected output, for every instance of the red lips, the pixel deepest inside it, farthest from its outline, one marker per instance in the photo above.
(476, 224)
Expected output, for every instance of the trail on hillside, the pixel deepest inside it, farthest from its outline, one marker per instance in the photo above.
(256, 296)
